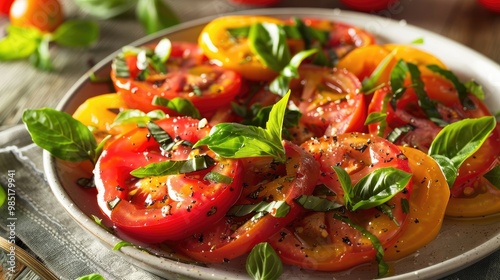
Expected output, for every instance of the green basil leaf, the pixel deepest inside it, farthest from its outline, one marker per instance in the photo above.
(281, 84)
(369, 84)
(217, 178)
(3, 196)
(459, 140)
(180, 105)
(475, 89)
(278, 208)
(155, 15)
(268, 42)
(383, 268)
(493, 176)
(427, 105)
(417, 41)
(461, 89)
(374, 189)
(263, 263)
(161, 136)
(76, 33)
(318, 204)
(41, 57)
(398, 76)
(234, 140)
(98, 221)
(105, 9)
(19, 43)
(398, 132)
(93, 276)
(448, 168)
(238, 32)
(60, 134)
(375, 117)
(122, 244)
(173, 167)
(137, 116)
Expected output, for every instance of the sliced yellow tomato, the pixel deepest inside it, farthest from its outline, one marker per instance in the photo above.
(485, 202)
(414, 55)
(234, 52)
(99, 113)
(427, 205)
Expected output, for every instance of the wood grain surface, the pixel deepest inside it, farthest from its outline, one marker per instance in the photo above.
(22, 86)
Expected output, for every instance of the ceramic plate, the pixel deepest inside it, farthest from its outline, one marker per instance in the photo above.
(445, 255)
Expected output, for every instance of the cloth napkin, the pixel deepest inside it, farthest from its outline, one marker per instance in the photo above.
(68, 250)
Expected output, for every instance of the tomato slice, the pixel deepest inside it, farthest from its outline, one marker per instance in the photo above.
(264, 181)
(319, 241)
(159, 208)
(329, 100)
(188, 76)
(235, 53)
(483, 201)
(423, 131)
(428, 202)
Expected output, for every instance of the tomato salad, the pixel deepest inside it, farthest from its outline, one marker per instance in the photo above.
(300, 139)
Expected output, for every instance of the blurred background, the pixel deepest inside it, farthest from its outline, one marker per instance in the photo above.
(474, 23)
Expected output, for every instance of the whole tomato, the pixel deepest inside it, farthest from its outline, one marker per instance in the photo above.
(368, 5)
(5, 6)
(256, 2)
(45, 15)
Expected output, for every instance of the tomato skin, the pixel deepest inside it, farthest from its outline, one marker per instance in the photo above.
(329, 100)
(233, 236)
(483, 202)
(430, 195)
(159, 208)
(5, 6)
(442, 91)
(45, 15)
(319, 241)
(207, 86)
(219, 46)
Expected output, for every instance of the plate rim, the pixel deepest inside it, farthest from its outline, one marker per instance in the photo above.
(133, 255)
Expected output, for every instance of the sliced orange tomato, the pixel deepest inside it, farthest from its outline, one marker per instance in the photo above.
(416, 56)
(485, 201)
(235, 53)
(427, 205)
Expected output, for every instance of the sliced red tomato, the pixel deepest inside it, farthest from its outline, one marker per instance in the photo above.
(321, 242)
(423, 131)
(159, 208)
(264, 180)
(343, 37)
(427, 205)
(188, 76)
(329, 100)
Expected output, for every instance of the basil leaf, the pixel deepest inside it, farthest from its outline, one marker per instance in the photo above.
(263, 263)
(458, 141)
(122, 244)
(268, 42)
(161, 136)
(383, 268)
(291, 119)
(234, 140)
(461, 89)
(60, 134)
(281, 83)
(448, 168)
(398, 76)
(93, 276)
(19, 43)
(180, 105)
(3, 195)
(155, 15)
(427, 105)
(475, 89)
(41, 57)
(370, 83)
(375, 117)
(278, 208)
(374, 189)
(417, 41)
(173, 167)
(318, 204)
(398, 131)
(76, 33)
(98, 221)
(105, 9)
(217, 178)
(137, 116)
(493, 176)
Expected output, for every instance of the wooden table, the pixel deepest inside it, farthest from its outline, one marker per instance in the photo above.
(22, 86)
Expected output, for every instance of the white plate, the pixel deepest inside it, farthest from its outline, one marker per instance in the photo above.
(445, 255)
